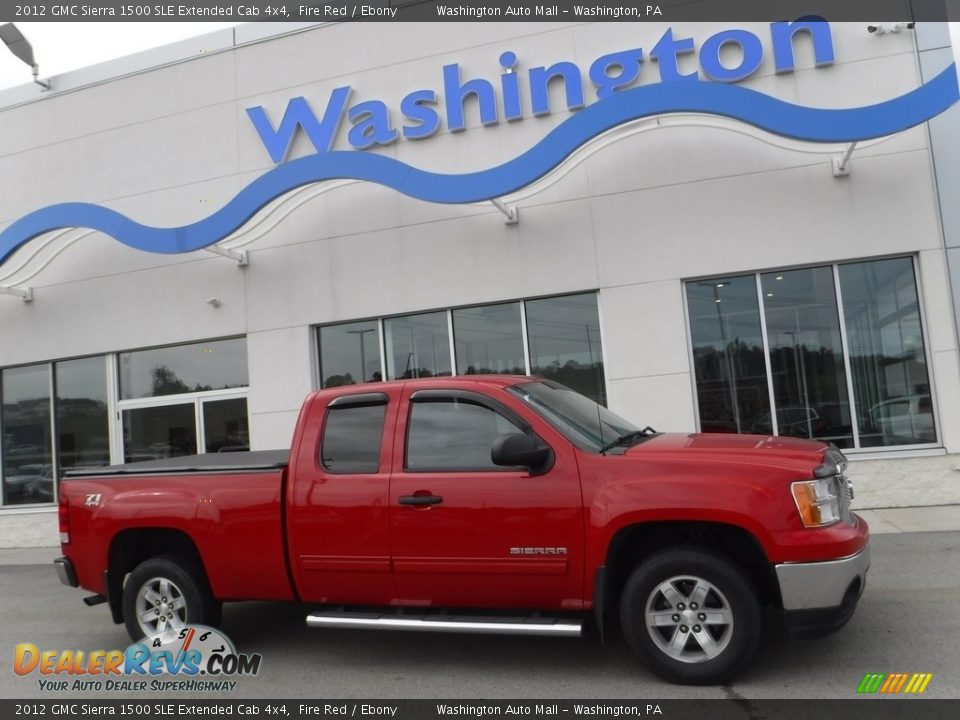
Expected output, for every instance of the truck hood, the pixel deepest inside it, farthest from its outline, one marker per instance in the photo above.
(728, 447)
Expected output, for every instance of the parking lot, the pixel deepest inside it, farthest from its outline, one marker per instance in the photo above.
(908, 621)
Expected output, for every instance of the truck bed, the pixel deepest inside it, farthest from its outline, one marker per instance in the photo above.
(256, 460)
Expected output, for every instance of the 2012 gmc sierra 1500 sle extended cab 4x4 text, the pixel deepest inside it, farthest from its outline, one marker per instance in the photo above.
(482, 504)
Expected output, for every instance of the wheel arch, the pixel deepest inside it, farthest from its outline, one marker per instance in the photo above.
(130, 547)
(635, 542)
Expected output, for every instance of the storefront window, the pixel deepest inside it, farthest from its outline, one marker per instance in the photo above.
(349, 354)
(808, 352)
(417, 346)
(150, 433)
(489, 339)
(806, 355)
(207, 408)
(891, 386)
(27, 448)
(728, 355)
(197, 367)
(83, 435)
(45, 436)
(564, 337)
(225, 426)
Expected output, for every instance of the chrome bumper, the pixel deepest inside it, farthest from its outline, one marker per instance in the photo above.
(806, 586)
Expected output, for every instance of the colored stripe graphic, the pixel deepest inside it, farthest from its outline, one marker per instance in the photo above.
(762, 111)
(871, 682)
(895, 683)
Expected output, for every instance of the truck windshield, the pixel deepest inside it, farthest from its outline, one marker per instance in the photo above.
(583, 422)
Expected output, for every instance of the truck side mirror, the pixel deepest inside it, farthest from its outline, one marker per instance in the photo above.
(521, 450)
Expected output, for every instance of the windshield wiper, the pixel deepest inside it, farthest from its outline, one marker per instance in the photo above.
(628, 438)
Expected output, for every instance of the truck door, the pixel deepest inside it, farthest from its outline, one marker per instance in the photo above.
(467, 533)
(338, 528)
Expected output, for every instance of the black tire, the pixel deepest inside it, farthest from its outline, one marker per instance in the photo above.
(732, 595)
(188, 582)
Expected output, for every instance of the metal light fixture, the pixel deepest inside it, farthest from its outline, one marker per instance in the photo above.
(20, 46)
(886, 28)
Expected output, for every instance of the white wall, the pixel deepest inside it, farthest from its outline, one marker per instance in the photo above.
(692, 198)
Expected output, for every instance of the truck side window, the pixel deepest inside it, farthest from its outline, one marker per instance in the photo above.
(453, 434)
(351, 438)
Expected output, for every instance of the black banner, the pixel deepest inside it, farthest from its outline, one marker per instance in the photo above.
(479, 10)
(739, 709)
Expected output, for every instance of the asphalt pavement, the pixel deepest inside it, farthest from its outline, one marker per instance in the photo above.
(908, 621)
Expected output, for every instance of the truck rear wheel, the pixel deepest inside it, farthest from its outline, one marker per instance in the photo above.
(167, 592)
(691, 615)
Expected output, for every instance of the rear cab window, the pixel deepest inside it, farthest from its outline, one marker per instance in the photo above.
(353, 434)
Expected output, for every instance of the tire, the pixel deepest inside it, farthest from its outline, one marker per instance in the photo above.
(703, 645)
(180, 587)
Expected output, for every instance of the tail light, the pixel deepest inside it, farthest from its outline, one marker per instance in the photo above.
(63, 515)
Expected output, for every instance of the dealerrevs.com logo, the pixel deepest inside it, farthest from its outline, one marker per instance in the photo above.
(192, 658)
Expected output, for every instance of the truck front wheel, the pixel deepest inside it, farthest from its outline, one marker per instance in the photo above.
(691, 615)
(164, 593)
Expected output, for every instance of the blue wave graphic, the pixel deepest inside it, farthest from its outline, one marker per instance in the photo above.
(757, 109)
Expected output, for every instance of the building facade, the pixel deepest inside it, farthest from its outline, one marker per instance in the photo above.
(694, 270)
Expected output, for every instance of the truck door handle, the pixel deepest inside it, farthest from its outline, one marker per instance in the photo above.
(420, 500)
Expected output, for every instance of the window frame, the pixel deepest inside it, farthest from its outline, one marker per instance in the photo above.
(857, 449)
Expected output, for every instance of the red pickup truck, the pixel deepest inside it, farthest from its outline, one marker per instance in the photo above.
(496, 504)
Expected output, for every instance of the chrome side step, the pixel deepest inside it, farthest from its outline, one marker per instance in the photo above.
(554, 627)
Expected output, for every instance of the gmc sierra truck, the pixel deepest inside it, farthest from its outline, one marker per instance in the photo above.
(496, 504)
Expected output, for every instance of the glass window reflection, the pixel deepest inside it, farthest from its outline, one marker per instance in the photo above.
(349, 354)
(806, 355)
(159, 432)
(83, 436)
(198, 367)
(418, 346)
(564, 338)
(225, 425)
(489, 339)
(728, 355)
(453, 435)
(891, 386)
(27, 448)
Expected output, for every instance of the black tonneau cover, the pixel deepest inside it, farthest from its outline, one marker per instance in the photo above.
(211, 462)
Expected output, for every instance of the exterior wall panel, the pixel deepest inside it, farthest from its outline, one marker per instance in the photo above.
(632, 217)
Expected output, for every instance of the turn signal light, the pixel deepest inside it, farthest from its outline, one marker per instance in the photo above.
(818, 501)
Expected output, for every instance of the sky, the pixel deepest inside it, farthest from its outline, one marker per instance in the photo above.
(59, 47)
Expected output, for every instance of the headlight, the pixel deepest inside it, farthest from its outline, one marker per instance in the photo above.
(818, 501)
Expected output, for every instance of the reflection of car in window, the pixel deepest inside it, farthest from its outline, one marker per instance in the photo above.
(796, 421)
(31, 482)
(903, 420)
